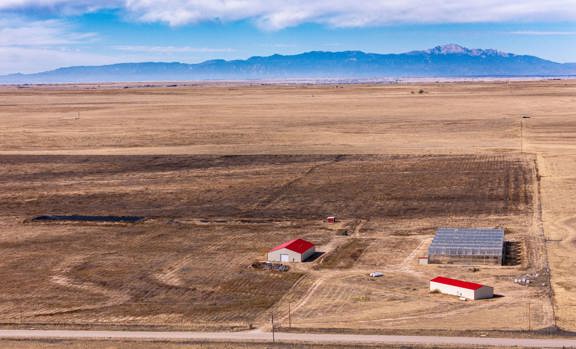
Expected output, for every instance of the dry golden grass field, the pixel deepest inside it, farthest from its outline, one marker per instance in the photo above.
(224, 172)
(93, 344)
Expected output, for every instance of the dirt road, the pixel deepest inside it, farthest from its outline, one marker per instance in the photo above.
(259, 336)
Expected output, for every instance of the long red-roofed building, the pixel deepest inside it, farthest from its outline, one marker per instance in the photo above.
(297, 250)
(465, 289)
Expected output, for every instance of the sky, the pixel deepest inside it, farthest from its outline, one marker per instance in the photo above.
(39, 35)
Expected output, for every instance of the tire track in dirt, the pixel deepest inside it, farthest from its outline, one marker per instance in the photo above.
(317, 283)
(61, 278)
(537, 228)
(277, 194)
(336, 274)
(263, 318)
(437, 312)
(406, 266)
(168, 274)
(358, 228)
(442, 312)
(568, 232)
(331, 246)
(403, 267)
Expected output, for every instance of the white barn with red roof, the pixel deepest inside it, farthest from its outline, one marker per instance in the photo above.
(465, 289)
(297, 250)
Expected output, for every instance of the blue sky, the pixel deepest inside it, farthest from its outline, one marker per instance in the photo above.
(37, 35)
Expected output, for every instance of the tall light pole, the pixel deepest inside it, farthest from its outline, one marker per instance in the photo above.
(522, 133)
(529, 319)
(289, 316)
(272, 321)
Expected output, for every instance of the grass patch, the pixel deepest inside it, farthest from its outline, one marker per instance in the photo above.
(346, 255)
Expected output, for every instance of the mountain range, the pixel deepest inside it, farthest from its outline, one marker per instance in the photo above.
(442, 61)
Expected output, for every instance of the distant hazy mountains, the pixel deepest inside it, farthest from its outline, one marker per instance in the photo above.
(442, 61)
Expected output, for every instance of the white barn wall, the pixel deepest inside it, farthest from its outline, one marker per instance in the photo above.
(452, 290)
(481, 293)
(293, 256)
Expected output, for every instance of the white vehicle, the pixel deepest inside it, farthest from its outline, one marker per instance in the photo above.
(376, 274)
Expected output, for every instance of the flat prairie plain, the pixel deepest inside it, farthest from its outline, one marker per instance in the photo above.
(108, 344)
(223, 172)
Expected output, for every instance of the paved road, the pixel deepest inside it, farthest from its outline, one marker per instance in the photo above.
(259, 336)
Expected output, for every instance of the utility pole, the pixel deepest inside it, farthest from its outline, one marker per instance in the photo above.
(289, 317)
(522, 132)
(529, 319)
(273, 335)
(522, 135)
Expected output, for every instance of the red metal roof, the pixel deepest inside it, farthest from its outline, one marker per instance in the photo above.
(296, 245)
(457, 283)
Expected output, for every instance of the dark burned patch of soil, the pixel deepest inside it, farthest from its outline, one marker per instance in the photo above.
(96, 219)
(266, 186)
(236, 209)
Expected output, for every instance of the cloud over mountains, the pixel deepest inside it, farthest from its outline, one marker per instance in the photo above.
(278, 14)
(38, 35)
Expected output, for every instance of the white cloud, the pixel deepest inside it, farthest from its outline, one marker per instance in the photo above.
(18, 32)
(60, 6)
(31, 46)
(278, 14)
(35, 59)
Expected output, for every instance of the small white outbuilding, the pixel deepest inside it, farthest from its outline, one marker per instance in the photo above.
(297, 250)
(464, 289)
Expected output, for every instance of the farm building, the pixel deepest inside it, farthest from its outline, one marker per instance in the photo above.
(297, 250)
(467, 246)
(465, 289)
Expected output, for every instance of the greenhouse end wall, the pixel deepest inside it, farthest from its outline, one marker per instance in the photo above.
(465, 260)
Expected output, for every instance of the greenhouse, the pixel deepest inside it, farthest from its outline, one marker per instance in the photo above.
(467, 246)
